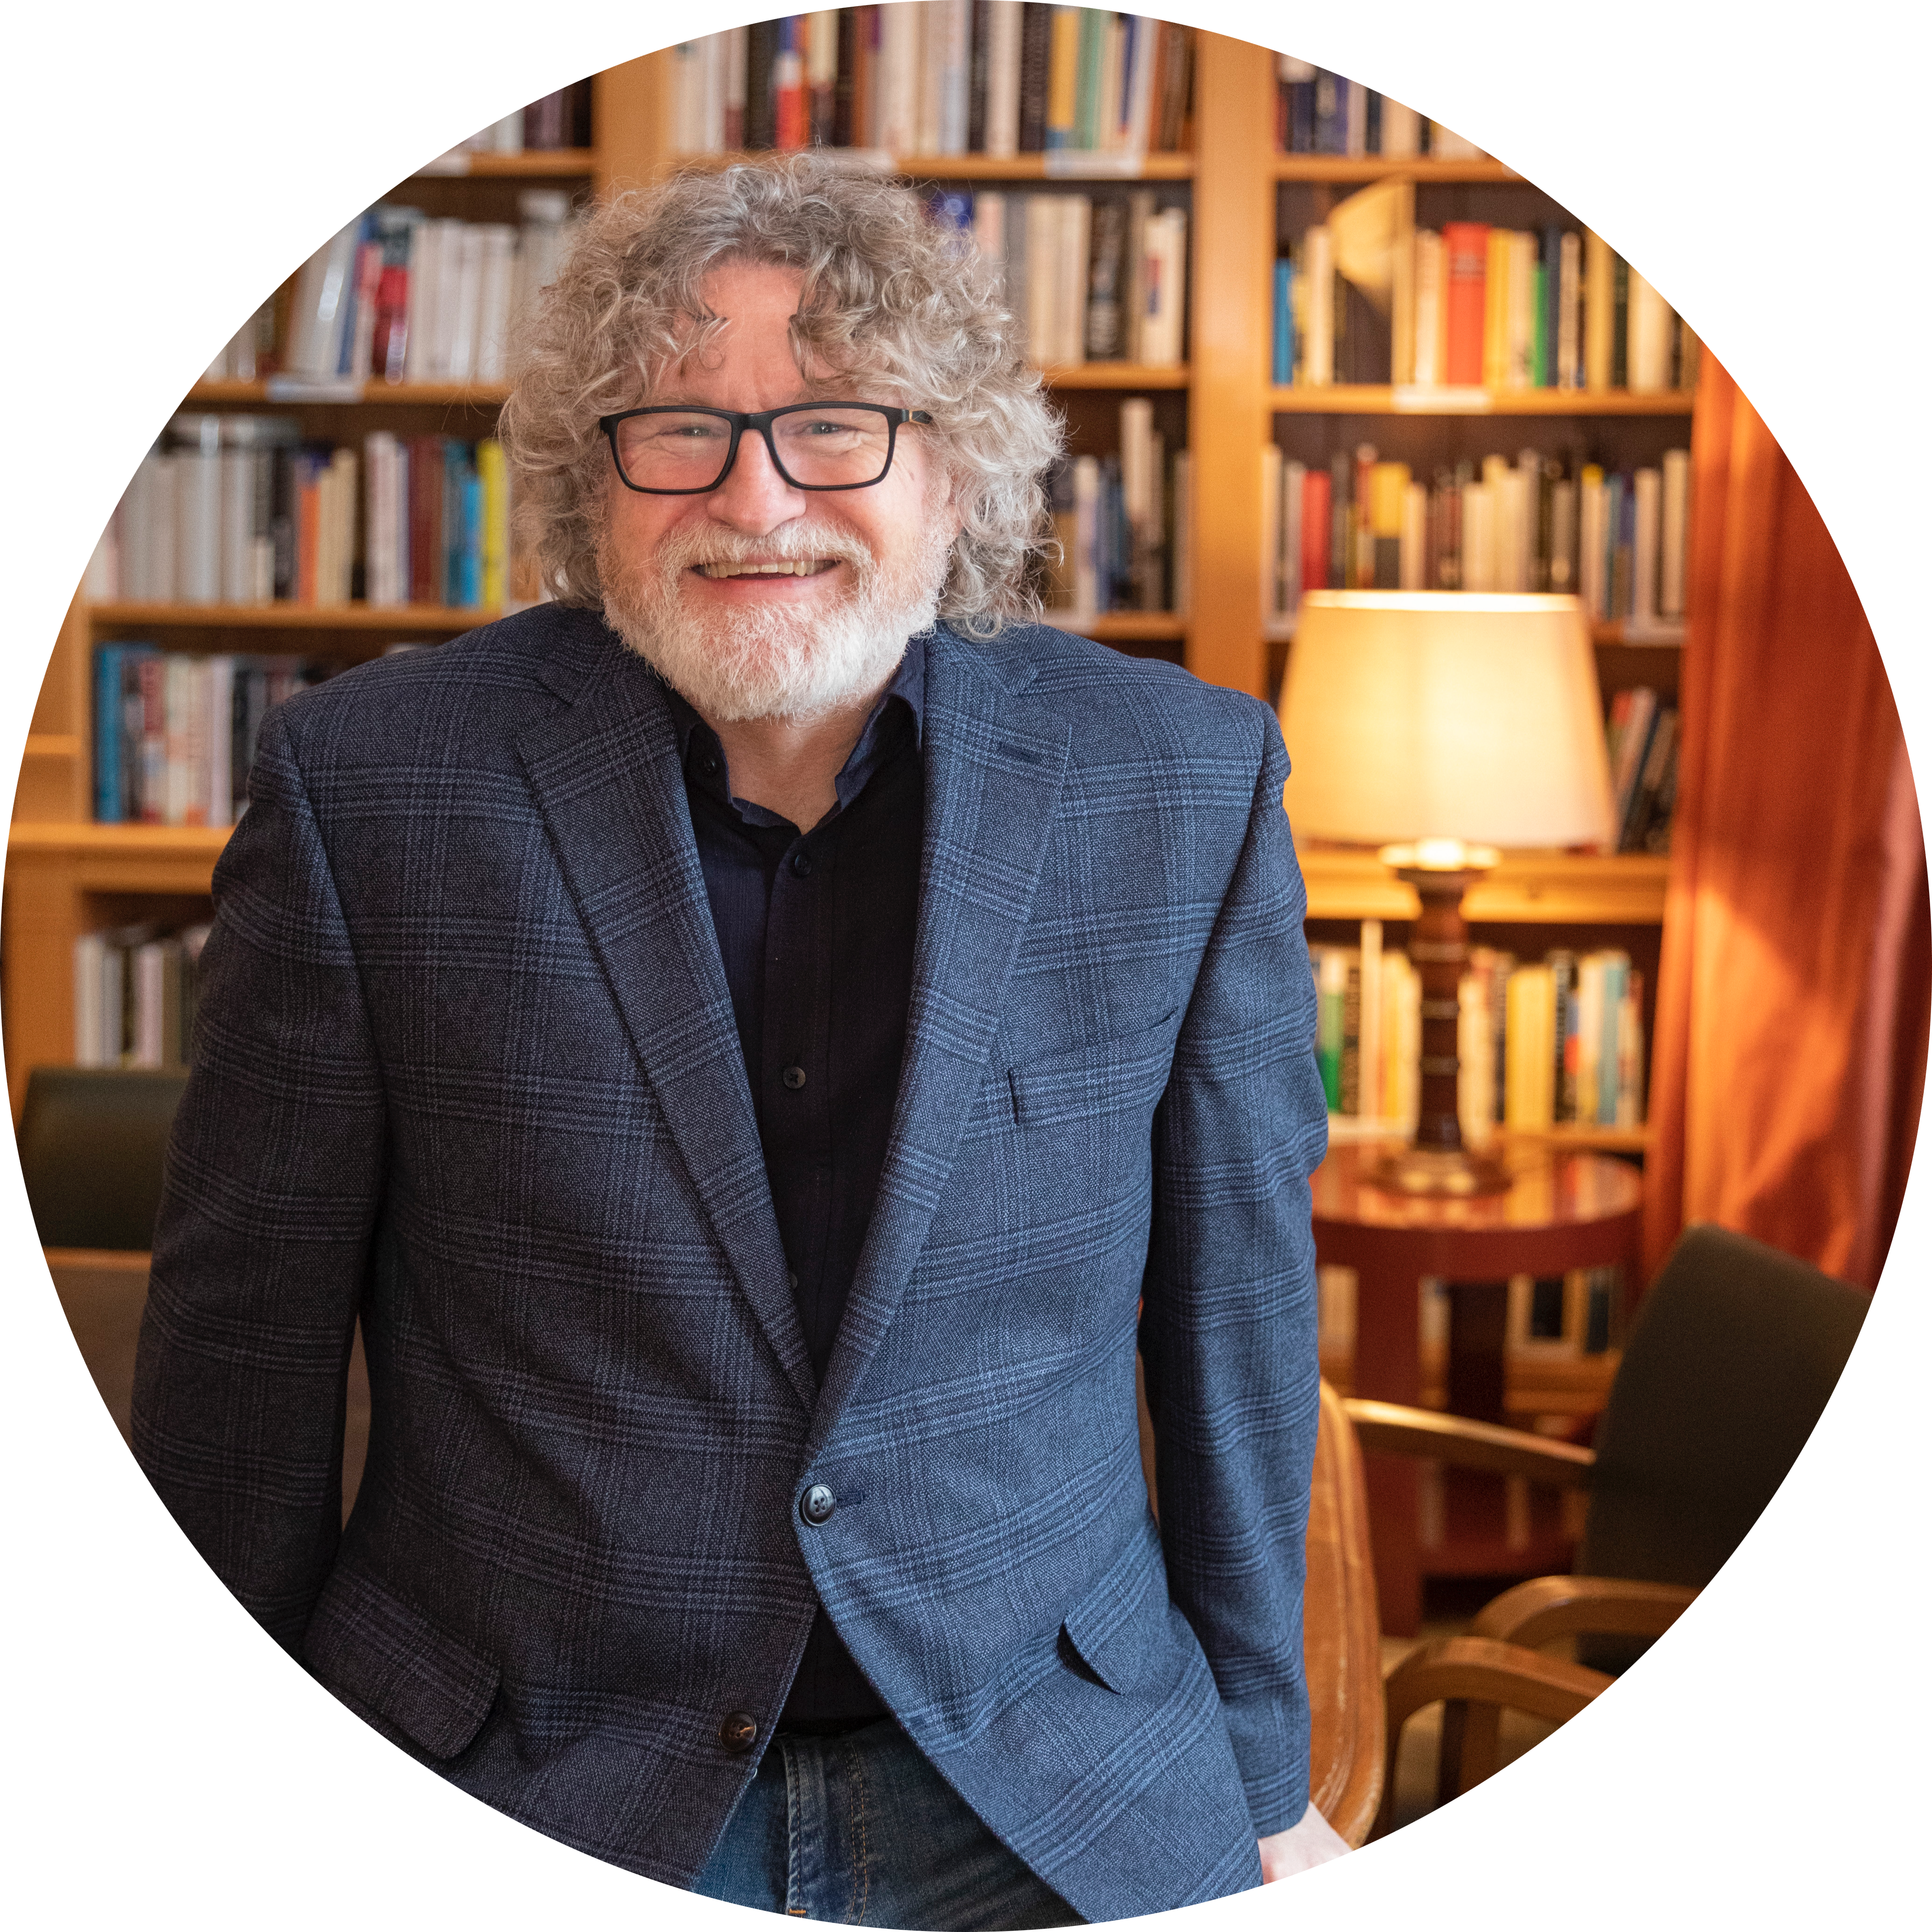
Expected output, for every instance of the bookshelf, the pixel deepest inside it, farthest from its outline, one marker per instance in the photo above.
(66, 875)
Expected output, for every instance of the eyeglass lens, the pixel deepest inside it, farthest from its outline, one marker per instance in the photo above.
(678, 449)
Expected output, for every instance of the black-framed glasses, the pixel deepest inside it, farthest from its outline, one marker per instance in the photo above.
(670, 450)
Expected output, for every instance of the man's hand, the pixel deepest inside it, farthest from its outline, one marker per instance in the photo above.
(1312, 1842)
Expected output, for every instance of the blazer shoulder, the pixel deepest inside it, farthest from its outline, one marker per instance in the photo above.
(509, 671)
(1112, 703)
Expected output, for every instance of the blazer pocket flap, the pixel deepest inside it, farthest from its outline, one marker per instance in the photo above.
(388, 1654)
(1109, 1628)
(1110, 1076)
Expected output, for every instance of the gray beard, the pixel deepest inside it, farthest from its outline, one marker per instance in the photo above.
(771, 662)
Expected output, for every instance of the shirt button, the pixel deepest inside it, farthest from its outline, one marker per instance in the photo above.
(739, 1732)
(817, 1504)
(791, 1276)
(801, 864)
(793, 1077)
(710, 766)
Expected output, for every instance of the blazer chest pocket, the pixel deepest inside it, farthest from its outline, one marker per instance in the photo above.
(386, 1654)
(1124, 1076)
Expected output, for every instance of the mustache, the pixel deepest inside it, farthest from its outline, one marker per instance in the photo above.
(802, 540)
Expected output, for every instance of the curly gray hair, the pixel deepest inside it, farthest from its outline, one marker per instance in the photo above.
(888, 295)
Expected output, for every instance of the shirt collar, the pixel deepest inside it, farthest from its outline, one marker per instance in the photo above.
(703, 757)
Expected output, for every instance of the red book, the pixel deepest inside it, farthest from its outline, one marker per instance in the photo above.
(1465, 251)
(426, 520)
(1315, 529)
(392, 322)
(789, 103)
(308, 531)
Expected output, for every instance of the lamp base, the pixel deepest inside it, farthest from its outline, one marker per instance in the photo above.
(1439, 1173)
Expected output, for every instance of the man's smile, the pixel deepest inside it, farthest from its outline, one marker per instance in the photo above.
(815, 566)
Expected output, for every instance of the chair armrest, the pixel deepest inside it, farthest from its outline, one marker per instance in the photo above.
(1391, 1429)
(1479, 1670)
(1552, 1607)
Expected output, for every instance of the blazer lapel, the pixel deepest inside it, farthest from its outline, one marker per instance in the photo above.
(993, 772)
(604, 769)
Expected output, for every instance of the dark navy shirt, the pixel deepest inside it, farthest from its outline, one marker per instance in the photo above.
(816, 930)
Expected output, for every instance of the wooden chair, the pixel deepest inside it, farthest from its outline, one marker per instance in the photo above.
(1341, 1629)
(1733, 1356)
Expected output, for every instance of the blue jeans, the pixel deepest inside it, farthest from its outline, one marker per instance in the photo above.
(860, 1830)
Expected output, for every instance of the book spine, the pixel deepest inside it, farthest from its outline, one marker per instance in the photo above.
(1675, 537)
(1317, 277)
(1035, 76)
(1466, 246)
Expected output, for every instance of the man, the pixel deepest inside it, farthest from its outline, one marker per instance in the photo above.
(755, 1042)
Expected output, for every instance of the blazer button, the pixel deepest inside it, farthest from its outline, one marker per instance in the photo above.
(817, 1504)
(793, 1077)
(739, 1732)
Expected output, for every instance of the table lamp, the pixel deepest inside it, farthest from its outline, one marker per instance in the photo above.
(1452, 723)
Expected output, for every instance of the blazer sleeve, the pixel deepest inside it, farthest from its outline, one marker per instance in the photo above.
(273, 1179)
(1228, 1330)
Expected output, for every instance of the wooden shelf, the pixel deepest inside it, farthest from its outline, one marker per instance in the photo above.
(462, 395)
(1122, 626)
(291, 616)
(1382, 399)
(1064, 165)
(1345, 1128)
(1115, 375)
(1528, 888)
(532, 164)
(1380, 167)
(1664, 634)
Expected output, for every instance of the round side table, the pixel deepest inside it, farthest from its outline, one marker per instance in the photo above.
(1562, 1210)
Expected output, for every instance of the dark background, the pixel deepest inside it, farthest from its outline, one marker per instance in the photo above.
(183, 175)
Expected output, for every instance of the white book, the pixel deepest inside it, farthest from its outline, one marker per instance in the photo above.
(134, 515)
(163, 559)
(929, 92)
(1043, 227)
(1076, 218)
(506, 136)
(101, 582)
(217, 684)
(989, 228)
(1002, 78)
(952, 22)
(1317, 331)
(466, 323)
(378, 542)
(1512, 516)
(419, 305)
(237, 521)
(149, 973)
(1674, 541)
(1143, 38)
(1401, 131)
(1414, 551)
(1357, 129)
(1479, 537)
(198, 510)
(343, 470)
(1650, 318)
(1529, 468)
(493, 328)
(1570, 311)
(687, 61)
(1445, 144)
(1644, 547)
(1427, 349)
(1161, 326)
(897, 75)
(1294, 491)
(320, 305)
(716, 63)
(1087, 533)
(88, 975)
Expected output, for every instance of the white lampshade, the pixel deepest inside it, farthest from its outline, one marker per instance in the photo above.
(1412, 714)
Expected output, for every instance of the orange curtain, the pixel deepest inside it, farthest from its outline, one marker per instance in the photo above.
(1789, 1054)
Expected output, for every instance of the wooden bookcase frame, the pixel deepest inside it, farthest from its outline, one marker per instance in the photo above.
(66, 875)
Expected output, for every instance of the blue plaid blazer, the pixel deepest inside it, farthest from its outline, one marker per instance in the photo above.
(466, 1070)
